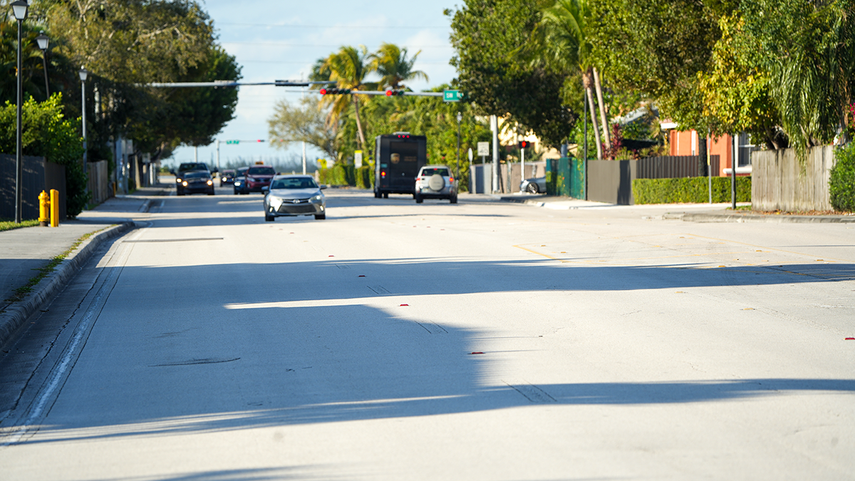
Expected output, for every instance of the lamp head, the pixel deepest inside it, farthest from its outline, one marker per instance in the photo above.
(83, 74)
(19, 10)
(43, 41)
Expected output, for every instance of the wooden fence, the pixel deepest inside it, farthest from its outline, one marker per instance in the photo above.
(781, 182)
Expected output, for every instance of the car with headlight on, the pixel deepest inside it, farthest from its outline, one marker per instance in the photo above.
(239, 185)
(258, 176)
(198, 181)
(227, 177)
(292, 195)
(435, 182)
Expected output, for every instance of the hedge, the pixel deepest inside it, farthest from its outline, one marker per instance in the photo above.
(841, 184)
(689, 190)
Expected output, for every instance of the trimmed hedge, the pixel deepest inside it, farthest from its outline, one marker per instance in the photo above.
(841, 184)
(365, 177)
(347, 175)
(689, 190)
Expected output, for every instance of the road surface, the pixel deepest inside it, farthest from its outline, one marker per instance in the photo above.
(478, 341)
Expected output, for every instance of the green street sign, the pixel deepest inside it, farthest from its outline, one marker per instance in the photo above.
(232, 141)
(451, 96)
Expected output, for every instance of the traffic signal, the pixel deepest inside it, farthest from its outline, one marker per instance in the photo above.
(394, 93)
(524, 143)
(333, 91)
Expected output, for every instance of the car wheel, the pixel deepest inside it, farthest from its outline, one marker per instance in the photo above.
(531, 188)
(385, 195)
(320, 216)
(211, 192)
(419, 199)
(235, 192)
(269, 218)
(453, 199)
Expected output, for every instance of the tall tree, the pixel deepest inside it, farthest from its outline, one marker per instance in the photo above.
(348, 68)
(391, 62)
(565, 39)
(487, 36)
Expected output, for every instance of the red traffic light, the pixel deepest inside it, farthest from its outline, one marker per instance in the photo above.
(524, 143)
(323, 90)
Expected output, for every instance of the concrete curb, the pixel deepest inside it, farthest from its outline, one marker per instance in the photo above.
(17, 313)
(773, 219)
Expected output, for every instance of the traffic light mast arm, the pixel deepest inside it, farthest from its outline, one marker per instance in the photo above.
(383, 92)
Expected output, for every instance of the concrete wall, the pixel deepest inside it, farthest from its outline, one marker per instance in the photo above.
(782, 182)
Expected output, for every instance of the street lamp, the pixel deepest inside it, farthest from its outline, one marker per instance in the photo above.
(83, 74)
(457, 175)
(19, 10)
(43, 41)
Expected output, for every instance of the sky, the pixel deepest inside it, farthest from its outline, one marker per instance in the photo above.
(276, 40)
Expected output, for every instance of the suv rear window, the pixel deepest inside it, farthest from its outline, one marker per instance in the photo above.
(429, 172)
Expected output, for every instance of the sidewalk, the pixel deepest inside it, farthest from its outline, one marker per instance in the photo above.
(685, 212)
(26, 250)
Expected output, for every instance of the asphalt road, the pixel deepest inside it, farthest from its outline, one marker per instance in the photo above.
(481, 340)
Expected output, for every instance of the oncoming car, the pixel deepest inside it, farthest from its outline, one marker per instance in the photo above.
(195, 182)
(291, 195)
(257, 177)
(435, 182)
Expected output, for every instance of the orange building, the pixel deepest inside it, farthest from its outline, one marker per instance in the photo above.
(686, 143)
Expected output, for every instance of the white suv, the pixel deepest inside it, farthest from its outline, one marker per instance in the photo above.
(435, 182)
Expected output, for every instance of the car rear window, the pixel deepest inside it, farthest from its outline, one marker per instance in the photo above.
(430, 172)
(294, 183)
(261, 171)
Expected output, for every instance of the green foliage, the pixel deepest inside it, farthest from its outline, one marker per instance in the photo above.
(47, 133)
(841, 185)
(364, 177)
(689, 190)
(488, 36)
(339, 175)
(808, 49)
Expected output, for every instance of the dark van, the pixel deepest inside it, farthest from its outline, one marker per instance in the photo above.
(397, 159)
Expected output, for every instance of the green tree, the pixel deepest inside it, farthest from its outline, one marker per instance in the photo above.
(808, 49)
(47, 133)
(348, 68)
(391, 62)
(487, 36)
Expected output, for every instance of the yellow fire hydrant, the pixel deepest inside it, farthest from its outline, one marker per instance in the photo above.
(44, 209)
(49, 208)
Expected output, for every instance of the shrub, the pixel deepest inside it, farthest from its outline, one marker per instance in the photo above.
(688, 190)
(365, 177)
(841, 185)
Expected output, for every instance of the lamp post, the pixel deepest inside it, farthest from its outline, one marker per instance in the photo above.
(457, 175)
(43, 41)
(83, 74)
(19, 10)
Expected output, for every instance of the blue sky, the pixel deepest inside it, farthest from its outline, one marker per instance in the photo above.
(274, 40)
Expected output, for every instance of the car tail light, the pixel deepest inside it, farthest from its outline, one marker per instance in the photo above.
(383, 174)
(451, 179)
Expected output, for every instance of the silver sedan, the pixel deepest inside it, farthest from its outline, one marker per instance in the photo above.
(291, 195)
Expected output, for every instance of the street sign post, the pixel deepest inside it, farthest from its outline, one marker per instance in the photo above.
(357, 159)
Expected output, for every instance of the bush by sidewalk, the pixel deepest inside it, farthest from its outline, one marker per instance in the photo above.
(841, 184)
(689, 190)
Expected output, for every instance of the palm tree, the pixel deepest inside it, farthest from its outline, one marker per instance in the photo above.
(348, 68)
(565, 28)
(391, 62)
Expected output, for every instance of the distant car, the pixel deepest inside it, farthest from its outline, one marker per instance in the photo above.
(535, 185)
(435, 182)
(258, 176)
(239, 185)
(291, 195)
(227, 177)
(199, 181)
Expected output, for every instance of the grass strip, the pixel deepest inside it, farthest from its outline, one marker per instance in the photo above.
(10, 224)
(43, 272)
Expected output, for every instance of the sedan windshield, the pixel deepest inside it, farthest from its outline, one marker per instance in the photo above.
(196, 175)
(294, 183)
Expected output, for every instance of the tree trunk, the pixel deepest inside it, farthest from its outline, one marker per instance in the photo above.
(702, 152)
(359, 123)
(594, 122)
(606, 133)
